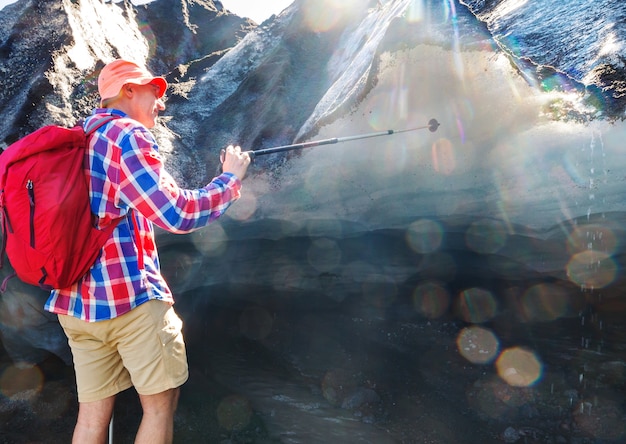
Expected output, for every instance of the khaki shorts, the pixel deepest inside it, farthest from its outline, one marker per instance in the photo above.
(142, 348)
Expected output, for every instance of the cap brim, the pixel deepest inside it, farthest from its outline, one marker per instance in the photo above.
(161, 83)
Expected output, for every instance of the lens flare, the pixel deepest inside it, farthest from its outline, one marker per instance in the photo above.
(431, 299)
(592, 237)
(486, 236)
(602, 418)
(390, 107)
(324, 227)
(244, 208)
(497, 399)
(544, 302)
(211, 241)
(460, 127)
(519, 367)
(324, 15)
(234, 412)
(148, 33)
(416, 11)
(179, 267)
(476, 305)
(424, 236)
(379, 290)
(443, 157)
(324, 254)
(27, 381)
(592, 269)
(316, 190)
(289, 276)
(477, 344)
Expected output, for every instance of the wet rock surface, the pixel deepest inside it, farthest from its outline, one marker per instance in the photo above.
(458, 287)
(380, 363)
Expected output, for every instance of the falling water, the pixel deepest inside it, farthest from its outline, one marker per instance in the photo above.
(590, 317)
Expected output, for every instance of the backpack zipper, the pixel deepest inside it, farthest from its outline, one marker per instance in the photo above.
(31, 199)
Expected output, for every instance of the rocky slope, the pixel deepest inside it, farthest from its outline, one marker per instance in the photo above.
(51, 51)
(337, 289)
(50, 54)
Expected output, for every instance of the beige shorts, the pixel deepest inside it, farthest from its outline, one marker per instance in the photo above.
(143, 348)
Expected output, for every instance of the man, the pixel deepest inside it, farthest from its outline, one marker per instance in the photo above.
(118, 318)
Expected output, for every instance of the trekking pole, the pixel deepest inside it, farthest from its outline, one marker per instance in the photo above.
(111, 430)
(432, 127)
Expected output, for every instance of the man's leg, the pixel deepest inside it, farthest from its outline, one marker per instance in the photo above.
(157, 424)
(100, 375)
(154, 354)
(93, 421)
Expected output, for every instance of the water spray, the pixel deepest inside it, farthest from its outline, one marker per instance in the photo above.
(432, 127)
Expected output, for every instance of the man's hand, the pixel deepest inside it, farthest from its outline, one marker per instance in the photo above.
(234, 161)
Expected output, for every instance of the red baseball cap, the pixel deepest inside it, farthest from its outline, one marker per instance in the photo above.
(120, 72)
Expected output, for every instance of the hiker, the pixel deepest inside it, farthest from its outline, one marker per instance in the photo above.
(118, 318)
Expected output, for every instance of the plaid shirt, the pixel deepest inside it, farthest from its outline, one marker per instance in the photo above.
(126, 173)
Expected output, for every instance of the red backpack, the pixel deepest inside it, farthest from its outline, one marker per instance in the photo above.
(48, 229)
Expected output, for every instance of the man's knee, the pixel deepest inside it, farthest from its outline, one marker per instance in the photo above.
(97, 412)
(160, 403)
(93, 420)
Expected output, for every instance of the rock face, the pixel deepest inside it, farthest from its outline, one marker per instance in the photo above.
(584, 51)
(391, 279)
(51, 53)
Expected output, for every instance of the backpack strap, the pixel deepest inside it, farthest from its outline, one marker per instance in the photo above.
(6, 225)
(95, 124)
(133, 220)
(5, 281)
(92, 127)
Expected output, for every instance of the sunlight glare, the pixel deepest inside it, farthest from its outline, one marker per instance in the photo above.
(244, 208)
(443, 157)
(211, 241)
(486, 236)
(592, 269)
(519, 367)
(25, 381)
(611, 45)
(592, 237)
(431, 299)
(324, 254)
(508, 7)
(234, 412)
(476, 305)
(544, 302)
(416, 11)
(325, 14)
(424, 236)
(478, 345)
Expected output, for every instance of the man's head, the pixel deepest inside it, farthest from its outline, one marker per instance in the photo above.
(129, 87)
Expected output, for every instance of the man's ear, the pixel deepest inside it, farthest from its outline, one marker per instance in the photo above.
(127, 90)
